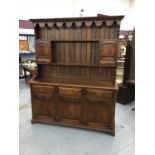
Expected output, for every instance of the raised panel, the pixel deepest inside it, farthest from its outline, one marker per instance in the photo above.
(99, 94)
(69, 92)
(69, 107)
(97, 112)
(42, 100)
(42, 89)
(43, 52)
(108, 50)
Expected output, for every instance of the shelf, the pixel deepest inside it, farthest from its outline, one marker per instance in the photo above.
(93, 40)
(91, 65)
(74, 83)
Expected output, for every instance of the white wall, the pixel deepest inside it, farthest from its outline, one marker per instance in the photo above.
(26, 31)
(71, 8)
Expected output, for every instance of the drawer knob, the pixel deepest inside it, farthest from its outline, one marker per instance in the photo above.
(56, 90)
(83, 92)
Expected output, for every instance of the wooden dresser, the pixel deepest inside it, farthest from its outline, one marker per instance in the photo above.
(76, 59)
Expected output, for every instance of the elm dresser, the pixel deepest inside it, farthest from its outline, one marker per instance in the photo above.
(76, 62)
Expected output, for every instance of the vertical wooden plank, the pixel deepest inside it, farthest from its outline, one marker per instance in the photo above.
(61, 52)
(103, 73)
(57, 36)
(96, 70)
(62, 33)
(57, 71)
(71, 54)
(91, 72)
(45, 33)
(106, 33)
(72, 45)
(111, 32)
(82, 71)
(106, 73)
(84, 108)
(52, 37)
(48, 34)
(66, 45)
(88, 51)
(97, 33)
(116, 31)
(97, 45)
(54, 71)
(77, 33)
(72, 70)
(102, 33)
(97, 53)
(83, 50)
(61, 70)
(57, 33)
(93, 32)
(93, 53)
(77, 45)
(53, 33)
(88, 45)
(47, 69)
(66, 49)
(84, 45)
(69, 70)
(77, 52)
(56, 52)
(50, 69)
(42, 33)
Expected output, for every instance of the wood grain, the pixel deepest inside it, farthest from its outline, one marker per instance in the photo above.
(76, 60)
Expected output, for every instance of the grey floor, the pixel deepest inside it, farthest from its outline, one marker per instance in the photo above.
(41, 139)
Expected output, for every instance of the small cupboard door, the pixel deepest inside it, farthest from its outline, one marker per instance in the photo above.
(69, 106)
(42, 103)
(108, 52)
(99, 106)
(43, 52)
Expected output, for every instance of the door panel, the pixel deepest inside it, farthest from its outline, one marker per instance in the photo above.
(42, 100)
(43, 52)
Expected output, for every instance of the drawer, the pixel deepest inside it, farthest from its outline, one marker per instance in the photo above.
(99, 94)
(69, 92)
(42, 90)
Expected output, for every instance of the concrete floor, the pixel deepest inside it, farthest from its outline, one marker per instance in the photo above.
(42, 139)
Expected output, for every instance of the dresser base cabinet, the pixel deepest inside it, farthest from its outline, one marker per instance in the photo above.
(88, 108)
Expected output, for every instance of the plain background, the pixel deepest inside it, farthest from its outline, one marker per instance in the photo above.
(9, 78)
(71, 8)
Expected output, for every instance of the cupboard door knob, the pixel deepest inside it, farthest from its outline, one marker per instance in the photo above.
(56, 90)
(83, 92)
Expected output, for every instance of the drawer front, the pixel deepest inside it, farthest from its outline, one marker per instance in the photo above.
(99, 94)
(42, 91)
(69, 92)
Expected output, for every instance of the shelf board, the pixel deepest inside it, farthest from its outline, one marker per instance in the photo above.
(92, 40)
(91, 65)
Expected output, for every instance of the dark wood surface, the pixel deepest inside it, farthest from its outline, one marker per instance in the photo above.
(76, 60)
(126, 92)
